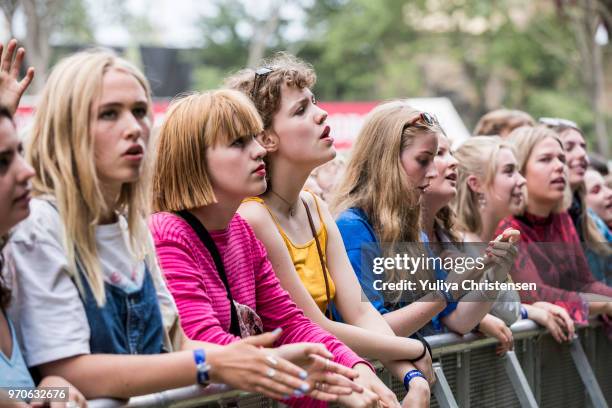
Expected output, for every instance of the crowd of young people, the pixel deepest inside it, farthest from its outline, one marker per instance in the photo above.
(136, 261)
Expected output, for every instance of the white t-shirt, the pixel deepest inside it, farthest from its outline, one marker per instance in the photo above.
(46, 309)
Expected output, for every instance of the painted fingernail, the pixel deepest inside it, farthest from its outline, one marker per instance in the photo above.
(304, 387)
(303, 375)
(277, 330)
(298, 393)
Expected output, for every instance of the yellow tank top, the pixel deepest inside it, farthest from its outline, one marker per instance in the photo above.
(306, 258)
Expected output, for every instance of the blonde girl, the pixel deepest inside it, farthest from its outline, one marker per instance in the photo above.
(89, 290)
(491, 188)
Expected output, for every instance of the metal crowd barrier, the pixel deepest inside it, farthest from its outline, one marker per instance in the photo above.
(538, 373)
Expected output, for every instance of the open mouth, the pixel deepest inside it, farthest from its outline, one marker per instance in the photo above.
(23, 197)
(260, 170)
(451, 177)
(325, 134)
(135, 151)
(423, 188)
(559, 181)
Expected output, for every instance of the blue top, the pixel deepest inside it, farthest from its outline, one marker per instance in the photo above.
(362, 247)
(13, 370)
(601, 265)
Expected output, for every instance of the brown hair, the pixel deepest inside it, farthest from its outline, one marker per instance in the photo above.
(587, 229)
(286, 70)
(496, 122)
(192, 124)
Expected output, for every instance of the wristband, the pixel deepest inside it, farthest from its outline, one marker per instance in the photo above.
(448, 297)
(426, 348)
(199, 356)
(410, 375)
(524, 314)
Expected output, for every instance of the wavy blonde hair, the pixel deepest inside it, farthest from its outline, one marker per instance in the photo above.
(524, 139)
(374, 179)
(477, 156)
(61, 151)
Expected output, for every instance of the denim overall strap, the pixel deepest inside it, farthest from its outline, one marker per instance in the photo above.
(127, 323)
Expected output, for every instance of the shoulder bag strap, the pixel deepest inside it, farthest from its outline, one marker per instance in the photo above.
(323, 266)
(207, 240)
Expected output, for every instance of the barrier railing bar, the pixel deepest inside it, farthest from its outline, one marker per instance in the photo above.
(442, 390)
(519, 381)
(441, 344)
(463, 378)
(586, 374)
(191, 396)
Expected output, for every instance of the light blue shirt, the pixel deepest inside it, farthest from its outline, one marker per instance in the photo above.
(13, 370)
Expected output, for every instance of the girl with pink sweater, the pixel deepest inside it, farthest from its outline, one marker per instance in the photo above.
(217, 271)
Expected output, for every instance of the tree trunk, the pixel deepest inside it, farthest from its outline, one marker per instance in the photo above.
(8, 9)
(37, 38)
(598, 101)
(262, 34)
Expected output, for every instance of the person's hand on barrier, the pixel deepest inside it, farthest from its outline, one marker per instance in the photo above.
(75, 398)
(419, 394)
(11, 89)
(424, 365)
(494, 327)
(561, 317)
(372, 384)
(326, 378)
(246, 365)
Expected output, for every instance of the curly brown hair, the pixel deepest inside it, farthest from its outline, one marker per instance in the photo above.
(285, 69)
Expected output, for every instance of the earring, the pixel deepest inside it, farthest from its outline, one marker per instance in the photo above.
(482, 202)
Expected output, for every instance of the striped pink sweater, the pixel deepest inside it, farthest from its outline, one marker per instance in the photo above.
(200, 295)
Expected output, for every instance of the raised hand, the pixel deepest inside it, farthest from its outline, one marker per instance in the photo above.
(11, 88)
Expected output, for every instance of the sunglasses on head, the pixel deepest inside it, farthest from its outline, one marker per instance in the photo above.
(425, 118)
(260, 77)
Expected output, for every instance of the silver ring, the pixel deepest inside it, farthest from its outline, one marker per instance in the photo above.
(317, 385)
(271, 360)
(271, 372)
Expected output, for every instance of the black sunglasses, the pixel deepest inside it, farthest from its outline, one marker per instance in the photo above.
(424, 117)
(260, 77)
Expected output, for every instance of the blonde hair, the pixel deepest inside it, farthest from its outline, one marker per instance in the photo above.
(524, 139)
(477, 156)
(61, 151)
(495, 122)
(374, 179)
(193, 124)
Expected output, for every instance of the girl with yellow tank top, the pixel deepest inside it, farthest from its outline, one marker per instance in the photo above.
(284, 218)
(306, 259)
